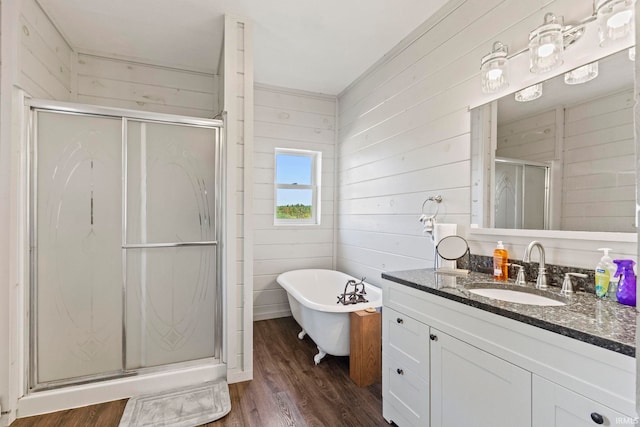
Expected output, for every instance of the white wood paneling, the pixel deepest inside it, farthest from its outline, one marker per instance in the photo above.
(238, 73)
(44, 55)
(404, 135)
(287, 118)
(149, 87)
(599, 186)
(531, 138)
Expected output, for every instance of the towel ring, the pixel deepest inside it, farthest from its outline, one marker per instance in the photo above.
(436, 200)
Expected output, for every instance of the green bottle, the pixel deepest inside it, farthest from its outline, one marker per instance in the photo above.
(604, 274)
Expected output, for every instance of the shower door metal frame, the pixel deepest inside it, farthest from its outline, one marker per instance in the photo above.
(124, 115)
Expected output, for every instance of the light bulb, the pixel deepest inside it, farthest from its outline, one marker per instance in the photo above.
(529, 93)
(494, 74)
(545, 50)
(615, 20)
(493, 69)
(620, 19)
(546, 45)
(582, 74)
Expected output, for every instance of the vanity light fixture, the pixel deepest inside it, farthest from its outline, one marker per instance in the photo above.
(529, 93)
(581, 74)
(494, 69)
(546, 45)
(615, 19)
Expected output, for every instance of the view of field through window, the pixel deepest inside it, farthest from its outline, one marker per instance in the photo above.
(292, 171)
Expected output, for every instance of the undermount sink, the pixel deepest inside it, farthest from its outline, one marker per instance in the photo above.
(516, 294)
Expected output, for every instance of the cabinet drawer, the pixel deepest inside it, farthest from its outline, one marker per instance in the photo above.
(406, 341)
(406, 300)
(406, 395)
(556, 406)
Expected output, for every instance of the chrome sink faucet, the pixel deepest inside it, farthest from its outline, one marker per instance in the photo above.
(541, 281)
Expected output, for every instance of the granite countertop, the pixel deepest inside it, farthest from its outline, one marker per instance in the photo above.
(585, 317)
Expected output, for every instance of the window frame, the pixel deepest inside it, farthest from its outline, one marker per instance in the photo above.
(315, 186)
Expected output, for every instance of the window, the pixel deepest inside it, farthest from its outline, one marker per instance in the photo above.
(297, 187)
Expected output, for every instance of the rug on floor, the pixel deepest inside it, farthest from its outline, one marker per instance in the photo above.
(184, 407)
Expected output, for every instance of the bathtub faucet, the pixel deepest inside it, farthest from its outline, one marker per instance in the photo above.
(355, 296)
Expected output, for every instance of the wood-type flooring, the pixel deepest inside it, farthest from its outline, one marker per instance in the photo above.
(288, 389)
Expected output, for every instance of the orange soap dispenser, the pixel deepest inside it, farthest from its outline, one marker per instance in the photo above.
(500, 263)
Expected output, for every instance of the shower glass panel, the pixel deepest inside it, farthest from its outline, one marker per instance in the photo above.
(124, 230)
(521, 195)
(78, 300)
(170, 240)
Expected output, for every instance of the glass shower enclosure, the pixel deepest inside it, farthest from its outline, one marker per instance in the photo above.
(124, 227)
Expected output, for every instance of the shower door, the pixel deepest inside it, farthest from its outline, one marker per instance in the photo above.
(521, 195)
(169, 243)
(124, 233)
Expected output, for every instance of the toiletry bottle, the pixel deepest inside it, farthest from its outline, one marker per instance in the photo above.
(627, 285)
(605, 270)
(500, 263)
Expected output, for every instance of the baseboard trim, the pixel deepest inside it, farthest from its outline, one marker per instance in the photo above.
(270, 314)
(239, 376)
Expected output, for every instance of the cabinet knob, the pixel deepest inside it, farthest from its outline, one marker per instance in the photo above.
(597, 418)
(399, 320)
(433, 337)
(401, 372)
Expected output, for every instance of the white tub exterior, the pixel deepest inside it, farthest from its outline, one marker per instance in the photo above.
(313, 296)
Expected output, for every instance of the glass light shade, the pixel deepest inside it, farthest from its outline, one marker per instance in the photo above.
(494, 69)
(581, 74)
(546, 45)
(529, 93)
(615, 20)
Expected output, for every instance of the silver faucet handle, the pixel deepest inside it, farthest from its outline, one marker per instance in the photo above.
(567, 286)
(520, 278)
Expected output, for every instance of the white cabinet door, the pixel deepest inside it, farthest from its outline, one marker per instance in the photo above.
(470, 387)
(556, 406)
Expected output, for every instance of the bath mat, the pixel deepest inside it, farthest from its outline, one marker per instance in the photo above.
(184, 407)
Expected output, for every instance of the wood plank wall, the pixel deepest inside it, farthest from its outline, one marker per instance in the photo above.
(238, 103)
(404, 134)
(50, 69)
(44, 56)
(598, 188)
(599, 165)
(289, 119)
(142, 86)
(530, 138)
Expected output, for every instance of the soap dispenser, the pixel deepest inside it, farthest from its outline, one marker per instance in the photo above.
(500, 263)
(604, 273)
(627, 285)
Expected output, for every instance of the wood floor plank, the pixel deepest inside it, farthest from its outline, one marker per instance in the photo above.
(288, 389)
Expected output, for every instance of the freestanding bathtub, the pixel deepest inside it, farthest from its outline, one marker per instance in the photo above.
(313, 296)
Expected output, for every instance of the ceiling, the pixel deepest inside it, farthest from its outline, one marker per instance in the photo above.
(319, 46)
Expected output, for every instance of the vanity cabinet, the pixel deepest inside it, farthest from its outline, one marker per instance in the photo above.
(446, 364)
(429, 375)
(556, 406)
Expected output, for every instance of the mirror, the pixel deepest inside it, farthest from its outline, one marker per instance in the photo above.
(450, 250)
(564, 161)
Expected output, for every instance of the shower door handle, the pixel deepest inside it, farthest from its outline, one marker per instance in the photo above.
(169, 245)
